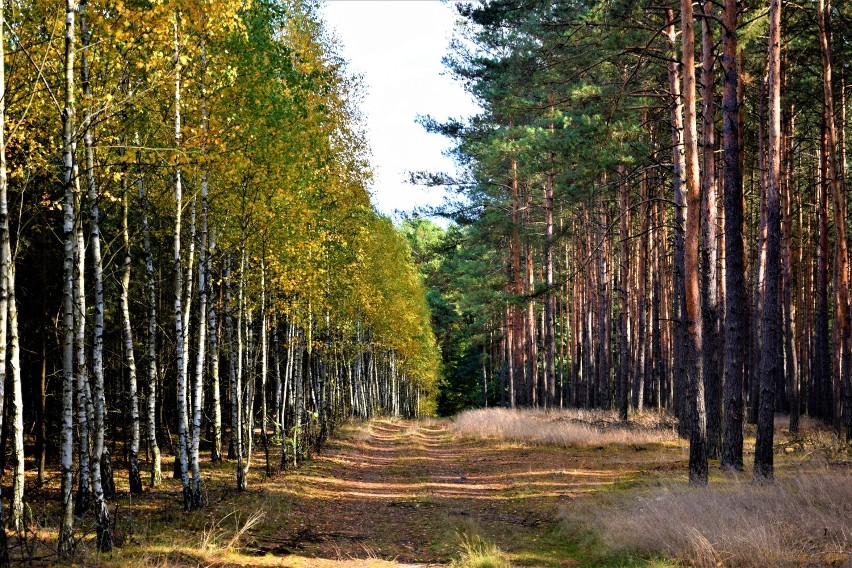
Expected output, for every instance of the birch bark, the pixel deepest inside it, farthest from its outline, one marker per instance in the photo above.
(151, 335)
(180, 336)
(129, 356)
(65, 540)
(6, 280)
(98, 402)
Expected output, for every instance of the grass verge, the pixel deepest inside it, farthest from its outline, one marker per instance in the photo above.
(565, 427)
(799, 520)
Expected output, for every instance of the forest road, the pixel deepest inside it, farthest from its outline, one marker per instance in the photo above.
(411, 493)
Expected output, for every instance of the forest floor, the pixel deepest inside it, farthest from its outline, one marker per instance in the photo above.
(402, 493)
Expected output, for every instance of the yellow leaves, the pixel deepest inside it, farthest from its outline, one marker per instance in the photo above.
(291, 136)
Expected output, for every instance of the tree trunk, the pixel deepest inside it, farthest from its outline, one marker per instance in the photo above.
(771, 336)
(642, 383)
(264, 361)
(695, 383)
(84, 395)
(678, 180)
(736, 312)
(6, 282)
(98, 399)
(624, 371)
(135, 478)
(235, 360)
(151, 335)
(180, 336)
(550, 294)
(789, 300)
(198, 500)
(41, 418)
(516, 346)
(66, 528)
(711, 359)
(216, 450)
(841, 292)
(822, 364)
(298, 394)
(759, 280)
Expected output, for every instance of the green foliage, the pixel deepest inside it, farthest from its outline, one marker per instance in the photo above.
(451, 266)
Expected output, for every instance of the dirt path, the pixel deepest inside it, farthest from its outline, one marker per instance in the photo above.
(407, 491)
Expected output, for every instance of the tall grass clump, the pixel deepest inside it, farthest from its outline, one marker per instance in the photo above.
(217, 537)
(477, 553)
(565, 427)
(805, 519)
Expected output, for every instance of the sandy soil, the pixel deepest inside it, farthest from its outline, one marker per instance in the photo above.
(408, 491)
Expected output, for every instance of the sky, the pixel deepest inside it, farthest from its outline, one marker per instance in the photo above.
(397, 46)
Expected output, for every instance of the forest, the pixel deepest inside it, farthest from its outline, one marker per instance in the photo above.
(656, 216)
(644, 262)
(188, 249)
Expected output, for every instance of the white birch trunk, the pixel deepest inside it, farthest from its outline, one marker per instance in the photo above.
(299, 402)
(83, 497)
(278, 400)
(264, 360)
(8, 301)
(197, 494)
(235, 372)
(187, 312)
(245, 411)
(286, 398)
(104, 528)
(180, 336)
(214, 360)
(129, 356)
(66, 529)
(249, 378)
(17, 397)
(6, 272)
(151, 336)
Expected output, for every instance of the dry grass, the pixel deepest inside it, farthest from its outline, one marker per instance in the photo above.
(797, 521)
(220, 537)
(565, 427)
(477, 553)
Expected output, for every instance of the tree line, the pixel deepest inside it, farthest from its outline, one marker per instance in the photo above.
(654, 201)
(189, 260)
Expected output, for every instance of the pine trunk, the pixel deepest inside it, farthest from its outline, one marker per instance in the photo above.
(695, 410)
(711, 356)
(678, 283)
(736, 312)
(771, 340)
(841, 292)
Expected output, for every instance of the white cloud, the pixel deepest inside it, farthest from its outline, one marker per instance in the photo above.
(397, 46)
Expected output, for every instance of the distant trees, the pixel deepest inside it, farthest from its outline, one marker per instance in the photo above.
(660, 223)
(206, 155)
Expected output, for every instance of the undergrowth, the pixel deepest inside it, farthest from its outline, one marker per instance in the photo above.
(477, 553)
(565, 427)
(796, 521)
